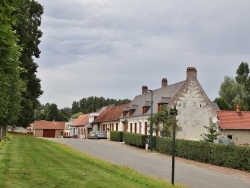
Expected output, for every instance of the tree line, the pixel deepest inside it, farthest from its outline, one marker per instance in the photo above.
(51, 112)
(19, 39)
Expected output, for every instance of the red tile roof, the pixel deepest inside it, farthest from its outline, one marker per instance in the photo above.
(231, 120)
(111, 113)
(49, 125)
(81, 120)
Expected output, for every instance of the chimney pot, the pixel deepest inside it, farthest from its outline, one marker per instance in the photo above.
(164, 82)
(144, 89)
(191, 73)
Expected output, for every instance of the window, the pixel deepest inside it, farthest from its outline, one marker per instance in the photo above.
(131, 127)
(135, 127)
(230, 136)
(146, 128)
(145, 109)
(116, 127)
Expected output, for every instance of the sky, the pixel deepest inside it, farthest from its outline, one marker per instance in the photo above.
(111, 48)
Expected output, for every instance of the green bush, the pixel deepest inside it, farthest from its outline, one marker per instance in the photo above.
(116, 136)
(134, 139)
(230, 156)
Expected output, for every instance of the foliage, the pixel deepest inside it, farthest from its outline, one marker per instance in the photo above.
(236, 90)
(27, 30)
(134, 139)
(116, 136)
(230, 156)
(92, 104)
(222, 103)
(41, 163)
(213, 133)
(75, 116)
(163, 121)
(10, 84)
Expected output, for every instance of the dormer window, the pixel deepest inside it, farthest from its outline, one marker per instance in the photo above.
(132, 109)
(131, 112)
(161, 105)
(163, 102)
(124, 113)
(145, 109)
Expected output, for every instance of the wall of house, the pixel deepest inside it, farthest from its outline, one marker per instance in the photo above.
(194, 110)
(138, 125)
(58, 133)
(39, 133)
(238, 136)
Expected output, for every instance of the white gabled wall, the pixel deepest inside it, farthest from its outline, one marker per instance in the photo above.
(194, 111)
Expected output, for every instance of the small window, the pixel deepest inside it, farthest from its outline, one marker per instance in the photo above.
(230, 136)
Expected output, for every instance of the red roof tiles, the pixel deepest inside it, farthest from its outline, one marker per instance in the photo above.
(49, 125)
(111, 113)
(81, 120)
(231, 120)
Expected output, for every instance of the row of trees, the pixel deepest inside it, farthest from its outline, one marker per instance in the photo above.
(19, 40)
(92, 104)
(51, 112)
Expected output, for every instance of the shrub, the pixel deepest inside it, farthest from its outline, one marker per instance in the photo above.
(134, 139)
(116, 136)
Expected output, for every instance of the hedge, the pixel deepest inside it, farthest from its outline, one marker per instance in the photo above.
(230, 156)
(116, 136)
(134, 139)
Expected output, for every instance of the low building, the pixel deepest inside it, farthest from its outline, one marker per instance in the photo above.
(51, 129)
(235, 125)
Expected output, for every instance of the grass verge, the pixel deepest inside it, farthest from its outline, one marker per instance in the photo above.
(26, 161)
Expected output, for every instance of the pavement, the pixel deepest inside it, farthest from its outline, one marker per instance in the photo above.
(190, 173)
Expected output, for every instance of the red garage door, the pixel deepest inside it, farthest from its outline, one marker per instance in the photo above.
(49, 133)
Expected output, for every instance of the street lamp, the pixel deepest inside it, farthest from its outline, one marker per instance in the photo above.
(151, 120)
(173, 112)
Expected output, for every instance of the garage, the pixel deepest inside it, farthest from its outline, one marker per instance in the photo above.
(50, 133)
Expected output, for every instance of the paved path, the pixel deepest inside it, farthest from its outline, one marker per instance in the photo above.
(192, 174)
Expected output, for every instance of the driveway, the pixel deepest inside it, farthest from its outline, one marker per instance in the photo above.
(190, 173)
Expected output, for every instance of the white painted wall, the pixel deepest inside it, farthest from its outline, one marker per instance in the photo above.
(194, 111)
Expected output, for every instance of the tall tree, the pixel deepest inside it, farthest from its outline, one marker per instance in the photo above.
(10, 82)
(29, 14)
(236, 90)
(51, 112)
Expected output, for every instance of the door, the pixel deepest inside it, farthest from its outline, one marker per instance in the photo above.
(50, 133)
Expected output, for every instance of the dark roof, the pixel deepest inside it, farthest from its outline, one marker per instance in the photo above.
(162, 95)
(111, 113)
(233, 120)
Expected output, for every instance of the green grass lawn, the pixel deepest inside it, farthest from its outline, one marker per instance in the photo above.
(26, 161)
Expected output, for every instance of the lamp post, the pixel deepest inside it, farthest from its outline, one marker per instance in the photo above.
(151, 118)
(174, 113)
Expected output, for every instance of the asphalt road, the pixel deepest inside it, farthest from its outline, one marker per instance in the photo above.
(192, 174)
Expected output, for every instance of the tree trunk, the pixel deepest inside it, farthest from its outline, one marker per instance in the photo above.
(3, 131)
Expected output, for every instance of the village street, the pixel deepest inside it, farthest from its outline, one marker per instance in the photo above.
(192, 174)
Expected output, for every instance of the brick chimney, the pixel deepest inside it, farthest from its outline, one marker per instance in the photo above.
(164, 82)
(238, 111)
(144, 89)
(191, 73)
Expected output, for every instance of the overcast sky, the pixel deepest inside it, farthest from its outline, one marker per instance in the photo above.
(111, 48)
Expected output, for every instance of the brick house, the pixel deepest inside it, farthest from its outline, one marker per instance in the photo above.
(193, 105)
